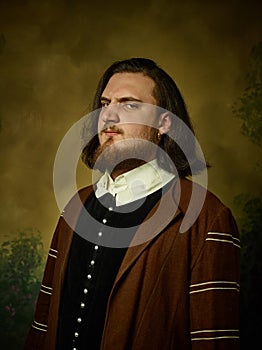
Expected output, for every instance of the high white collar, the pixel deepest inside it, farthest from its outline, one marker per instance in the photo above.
(134, 184)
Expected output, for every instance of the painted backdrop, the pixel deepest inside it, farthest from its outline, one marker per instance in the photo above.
(52, 54)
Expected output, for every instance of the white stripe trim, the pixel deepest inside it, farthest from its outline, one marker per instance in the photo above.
(215, 330)
(214, 338)
(53, 250)
(42, 285)
(40, 324)
(40, 329)
(43, 291)
(222, 240)
(210, 282)
(214, 288)
(225, 234)
(54, 256)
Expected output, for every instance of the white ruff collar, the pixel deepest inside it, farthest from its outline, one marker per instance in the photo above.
(134, 184)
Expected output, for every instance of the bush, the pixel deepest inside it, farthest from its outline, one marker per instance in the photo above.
(21, 267)
(250, 225)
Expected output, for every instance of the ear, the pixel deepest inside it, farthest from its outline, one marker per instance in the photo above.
(164, 123)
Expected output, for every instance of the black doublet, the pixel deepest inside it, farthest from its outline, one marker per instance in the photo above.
(92, 269)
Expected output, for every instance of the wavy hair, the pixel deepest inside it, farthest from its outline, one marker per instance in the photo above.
(180, 154)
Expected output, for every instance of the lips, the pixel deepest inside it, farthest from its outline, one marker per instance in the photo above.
(110, 132)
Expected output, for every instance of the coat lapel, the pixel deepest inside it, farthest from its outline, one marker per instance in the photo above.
(165, 211)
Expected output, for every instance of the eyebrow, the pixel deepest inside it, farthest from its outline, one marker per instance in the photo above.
(121, 99)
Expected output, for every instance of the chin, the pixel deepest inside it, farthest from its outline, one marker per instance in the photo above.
(124, 154)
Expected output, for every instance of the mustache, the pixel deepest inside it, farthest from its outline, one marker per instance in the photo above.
(111, 127)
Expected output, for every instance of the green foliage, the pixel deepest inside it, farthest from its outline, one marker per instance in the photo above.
(248, 107)
(21, 266)
(251, 266)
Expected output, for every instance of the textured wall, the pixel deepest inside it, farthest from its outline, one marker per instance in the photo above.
(52, 54)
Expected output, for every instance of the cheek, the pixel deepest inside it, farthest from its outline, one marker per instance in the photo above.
(99, 124)
(138, 131)
(99, 128)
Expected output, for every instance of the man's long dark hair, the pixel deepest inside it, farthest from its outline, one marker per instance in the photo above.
(169, 98)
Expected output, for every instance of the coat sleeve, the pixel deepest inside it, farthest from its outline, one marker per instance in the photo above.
(36, 338)
(214, 287)
(42, 334)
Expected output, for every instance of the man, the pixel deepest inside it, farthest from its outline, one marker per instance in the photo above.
(120, 272)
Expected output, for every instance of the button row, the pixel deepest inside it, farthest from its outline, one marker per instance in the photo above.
(89, 276)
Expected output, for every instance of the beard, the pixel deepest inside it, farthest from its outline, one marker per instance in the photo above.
(124, 155)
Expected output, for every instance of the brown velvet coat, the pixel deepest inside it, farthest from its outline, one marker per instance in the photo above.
(175, 291)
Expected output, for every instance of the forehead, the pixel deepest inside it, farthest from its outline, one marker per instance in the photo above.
(136, 85)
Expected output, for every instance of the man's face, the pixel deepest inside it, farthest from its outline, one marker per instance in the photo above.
(122, 103)
(127, 101)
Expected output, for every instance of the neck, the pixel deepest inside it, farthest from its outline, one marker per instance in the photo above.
(126, 166)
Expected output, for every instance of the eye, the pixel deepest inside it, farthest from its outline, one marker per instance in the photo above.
(104, 104)
(131, 106)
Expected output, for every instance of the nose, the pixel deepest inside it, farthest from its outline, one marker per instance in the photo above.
(110, 114)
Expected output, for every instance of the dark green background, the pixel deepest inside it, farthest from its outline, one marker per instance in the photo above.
(52, 54)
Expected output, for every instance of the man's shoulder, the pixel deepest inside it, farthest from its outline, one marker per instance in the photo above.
(198, 203)
(194, 192)
(78, 199)
(84, 192)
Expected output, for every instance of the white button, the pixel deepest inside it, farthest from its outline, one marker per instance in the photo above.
(110, 208)
(100, 234)
(76, 334)
(96, 247)
(89, 277)
(85, 291)
(104, 221)
(82, 305)
(79, 320)
(92, 262)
